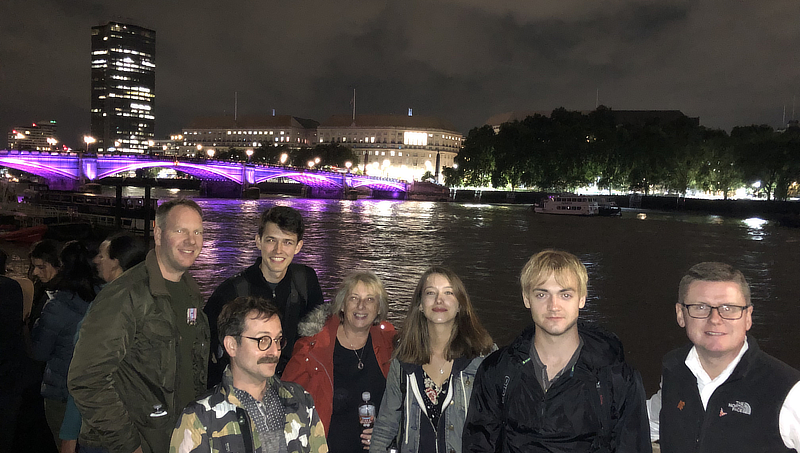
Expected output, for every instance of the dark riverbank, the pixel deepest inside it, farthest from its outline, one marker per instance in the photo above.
(778, 210)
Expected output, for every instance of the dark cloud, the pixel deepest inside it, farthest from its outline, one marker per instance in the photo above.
(730, 63)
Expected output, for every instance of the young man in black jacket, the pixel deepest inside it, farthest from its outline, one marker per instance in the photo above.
(293, 288)
(561, 385)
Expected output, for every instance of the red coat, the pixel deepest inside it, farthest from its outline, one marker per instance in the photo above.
(311, 364)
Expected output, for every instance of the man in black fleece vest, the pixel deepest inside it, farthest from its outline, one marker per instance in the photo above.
(722, 393)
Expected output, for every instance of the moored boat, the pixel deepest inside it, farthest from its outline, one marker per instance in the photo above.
(26, 235)
(607, 207)
(568, 204)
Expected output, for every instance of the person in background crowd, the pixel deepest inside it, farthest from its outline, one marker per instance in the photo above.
(142, 352)
(721, 392)
(44, 266)
(294, 288)
(561, 385)
(74, 288)
(251, 410)
(345, 350)
(441, 345)
(116, 255)
(23, 429)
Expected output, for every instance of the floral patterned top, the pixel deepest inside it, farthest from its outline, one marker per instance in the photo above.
(435, 397)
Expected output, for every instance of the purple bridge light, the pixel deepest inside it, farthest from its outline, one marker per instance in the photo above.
(72, 167)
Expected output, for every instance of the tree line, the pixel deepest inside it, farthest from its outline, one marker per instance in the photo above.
(568, 150)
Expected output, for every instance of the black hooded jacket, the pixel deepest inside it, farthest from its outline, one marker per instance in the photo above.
(596, 406)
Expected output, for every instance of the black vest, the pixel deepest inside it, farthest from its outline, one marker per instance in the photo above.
(742, 413)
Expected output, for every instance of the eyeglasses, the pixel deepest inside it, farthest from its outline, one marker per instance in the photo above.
(266, 341)
(703, 311)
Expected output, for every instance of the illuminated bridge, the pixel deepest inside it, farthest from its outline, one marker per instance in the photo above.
(69, 170)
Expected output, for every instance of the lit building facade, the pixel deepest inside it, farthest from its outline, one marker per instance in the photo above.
(395, 146)
(39, 136)
(250, 131)
(123, 88)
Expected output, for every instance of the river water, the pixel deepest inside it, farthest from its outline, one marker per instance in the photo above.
(634, 265)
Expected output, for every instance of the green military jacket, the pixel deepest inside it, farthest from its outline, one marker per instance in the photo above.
(215, 423)
(124, 374)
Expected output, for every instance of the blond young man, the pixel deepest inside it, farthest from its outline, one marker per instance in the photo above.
(561, 385)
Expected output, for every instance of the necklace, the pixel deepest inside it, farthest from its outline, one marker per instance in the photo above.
(441, 368)
(353, 348)
(360, 363)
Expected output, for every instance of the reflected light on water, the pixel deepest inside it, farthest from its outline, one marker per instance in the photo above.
(755, 227)
(755, 223)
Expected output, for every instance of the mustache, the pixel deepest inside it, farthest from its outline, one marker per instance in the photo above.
(269, 359)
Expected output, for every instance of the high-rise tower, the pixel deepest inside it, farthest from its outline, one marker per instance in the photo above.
(123, 87)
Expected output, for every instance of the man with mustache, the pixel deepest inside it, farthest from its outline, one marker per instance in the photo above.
(251, 410)
(293, 288)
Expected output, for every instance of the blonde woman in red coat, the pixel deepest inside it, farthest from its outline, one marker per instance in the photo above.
(345, 350)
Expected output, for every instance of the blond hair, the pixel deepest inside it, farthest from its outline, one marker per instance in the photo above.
(373, 284)
(564, 266)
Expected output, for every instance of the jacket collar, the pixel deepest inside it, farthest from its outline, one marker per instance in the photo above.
(226, 387)
(157, 282)
(600, 347)
(745, 363)
(321, 319)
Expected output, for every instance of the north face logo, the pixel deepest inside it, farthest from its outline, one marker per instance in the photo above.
(741, 407)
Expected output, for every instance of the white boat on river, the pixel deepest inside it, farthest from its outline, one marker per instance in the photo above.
(569, 204)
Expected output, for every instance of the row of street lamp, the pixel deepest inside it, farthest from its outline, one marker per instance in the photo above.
(89, 140)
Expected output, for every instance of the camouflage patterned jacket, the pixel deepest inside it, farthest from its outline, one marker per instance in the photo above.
(216, 423)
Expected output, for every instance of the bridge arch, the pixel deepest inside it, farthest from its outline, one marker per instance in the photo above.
(70, 168)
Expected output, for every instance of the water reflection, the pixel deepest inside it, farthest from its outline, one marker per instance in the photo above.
(634, 266)
(755, 227)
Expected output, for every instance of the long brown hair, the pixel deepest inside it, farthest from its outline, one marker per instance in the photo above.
(468, 339)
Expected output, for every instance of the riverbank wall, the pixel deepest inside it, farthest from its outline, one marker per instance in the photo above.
(734, 208)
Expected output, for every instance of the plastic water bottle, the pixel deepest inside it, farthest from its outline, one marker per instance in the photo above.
(366, 412)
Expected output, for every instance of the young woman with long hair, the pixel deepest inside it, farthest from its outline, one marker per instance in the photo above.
(441, 344)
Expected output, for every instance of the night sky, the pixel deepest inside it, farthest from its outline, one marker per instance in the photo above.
(729, 62)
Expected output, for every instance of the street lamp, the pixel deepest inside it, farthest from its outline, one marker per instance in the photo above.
(249, 153)
(316, 160)
(210, 153)
(311, 164)
(89, 140)
(347, 165)
(284, 156)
